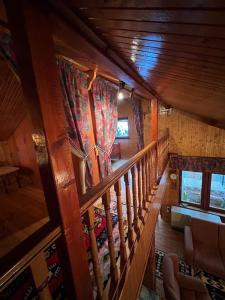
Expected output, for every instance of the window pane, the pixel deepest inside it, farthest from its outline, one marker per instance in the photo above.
(191, 188)
(122, 128)
(217, 192)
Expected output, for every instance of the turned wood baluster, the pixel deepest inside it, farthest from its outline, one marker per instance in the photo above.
(139, 191)
(146, 177)
(134, 191)
(106, 199)
(152, 170)
(143, 183)
(90, 221)
(129, 214)
(149, 173)
(123, 251)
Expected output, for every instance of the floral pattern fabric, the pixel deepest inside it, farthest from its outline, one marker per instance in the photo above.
(76, 104)
(106, 115)
(198, 164)
(138, 119)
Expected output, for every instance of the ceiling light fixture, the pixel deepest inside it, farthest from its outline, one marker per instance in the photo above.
(120, 95)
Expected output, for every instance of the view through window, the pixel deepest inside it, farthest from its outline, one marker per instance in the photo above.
(217, 191)
(122, 128)
(191, 187)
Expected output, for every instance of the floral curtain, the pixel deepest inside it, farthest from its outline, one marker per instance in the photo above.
(138, 119)
(76, 101)
(198, 164)
(106, 115)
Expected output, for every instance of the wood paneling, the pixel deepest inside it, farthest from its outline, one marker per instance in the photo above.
(23, 211)
(12, 108)
(21, 149)
(189, 136)
(177, 47)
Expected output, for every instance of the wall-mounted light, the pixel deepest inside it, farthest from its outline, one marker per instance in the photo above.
(120, 95)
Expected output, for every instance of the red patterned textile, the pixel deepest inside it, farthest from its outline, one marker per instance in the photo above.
(76, 103)
(106, 115)
(138, 119)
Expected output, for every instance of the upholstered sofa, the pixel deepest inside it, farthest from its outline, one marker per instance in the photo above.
(205, 246)
(178, 286)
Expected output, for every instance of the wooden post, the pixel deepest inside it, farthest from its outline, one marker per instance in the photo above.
(35, 54)
(123, 251)
(154, 130)
(113, 267)
(154, 120)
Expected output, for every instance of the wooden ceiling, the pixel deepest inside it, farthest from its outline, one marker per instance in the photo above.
(12, 108)
(177, 47)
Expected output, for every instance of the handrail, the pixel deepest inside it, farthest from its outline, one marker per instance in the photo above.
(88, 199)
(133, 185)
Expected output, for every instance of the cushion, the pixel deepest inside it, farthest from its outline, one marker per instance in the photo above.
(205, 232)
(222, 242)
(187, 294)
(208, 259)
(170, 283)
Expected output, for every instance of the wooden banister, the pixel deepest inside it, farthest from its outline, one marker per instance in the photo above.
(96, 192)
(133, 186)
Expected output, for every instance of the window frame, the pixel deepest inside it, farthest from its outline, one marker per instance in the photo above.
(180, 190)
(123, 137)
(205, 193)
(209, 192)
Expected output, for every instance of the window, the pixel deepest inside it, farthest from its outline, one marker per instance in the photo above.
(191, 187)
(217, 191)
(122, 128)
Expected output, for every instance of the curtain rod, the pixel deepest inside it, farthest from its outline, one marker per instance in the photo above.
(109, 78)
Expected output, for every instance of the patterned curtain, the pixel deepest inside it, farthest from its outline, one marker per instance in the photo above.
(198, 164)
(138, 119)
(76, 101)
(106, 115)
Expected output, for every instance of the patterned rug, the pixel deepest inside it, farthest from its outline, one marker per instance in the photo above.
(102, 243)
(100, 228)
(215, 285)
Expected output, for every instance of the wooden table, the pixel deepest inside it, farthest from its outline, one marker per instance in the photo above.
(6, 172)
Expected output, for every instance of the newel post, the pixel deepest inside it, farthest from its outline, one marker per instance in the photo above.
(35, 54)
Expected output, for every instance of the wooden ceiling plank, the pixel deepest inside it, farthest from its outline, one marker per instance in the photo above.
(196, 72)
(212, 43)
(177, 48)
(183, 65)
(214, 17)
(169, 74)
(150, 32)
(168, 42)
(155, 54)
(146, 4)
(182, 29)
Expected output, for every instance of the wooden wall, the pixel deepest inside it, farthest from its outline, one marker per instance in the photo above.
(128, 146)
(189, 136)
(19, 149)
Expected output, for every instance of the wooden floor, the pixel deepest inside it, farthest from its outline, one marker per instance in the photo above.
(170, 241)
(22, 212)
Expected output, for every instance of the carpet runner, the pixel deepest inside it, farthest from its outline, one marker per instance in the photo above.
(215, 285)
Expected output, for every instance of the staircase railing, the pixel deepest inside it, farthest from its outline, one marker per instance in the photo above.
(129, 189)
